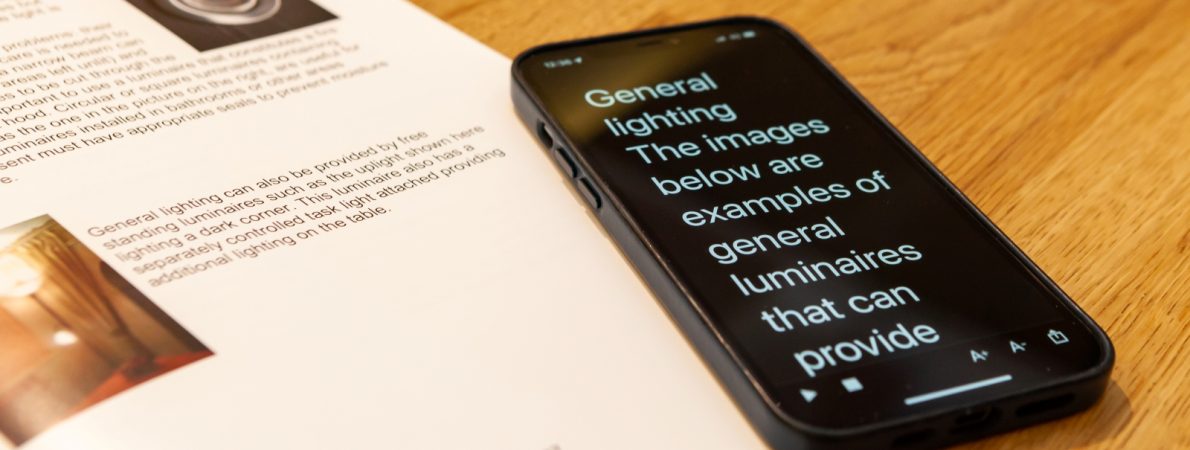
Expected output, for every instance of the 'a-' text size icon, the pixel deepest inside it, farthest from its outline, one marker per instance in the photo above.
(1017, 347)
(1057, 337)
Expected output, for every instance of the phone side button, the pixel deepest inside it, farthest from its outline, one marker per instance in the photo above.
(565, 162)
(589, 193)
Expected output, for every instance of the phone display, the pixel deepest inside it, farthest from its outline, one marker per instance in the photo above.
(850, 282)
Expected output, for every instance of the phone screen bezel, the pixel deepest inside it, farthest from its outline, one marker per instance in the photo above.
(770, 397)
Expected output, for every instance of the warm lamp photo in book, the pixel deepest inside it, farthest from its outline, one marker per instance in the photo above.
(75, 332)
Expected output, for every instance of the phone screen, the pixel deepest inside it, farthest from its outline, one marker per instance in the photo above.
(843, 273)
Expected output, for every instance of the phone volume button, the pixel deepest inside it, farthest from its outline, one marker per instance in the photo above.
(590, 193)
(565, 162)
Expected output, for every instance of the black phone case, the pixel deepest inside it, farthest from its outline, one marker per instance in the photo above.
(1060, 398)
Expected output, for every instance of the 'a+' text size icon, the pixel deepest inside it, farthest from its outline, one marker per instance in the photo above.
(979, 355)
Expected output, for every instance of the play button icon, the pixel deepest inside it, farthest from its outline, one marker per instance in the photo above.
(809, 395)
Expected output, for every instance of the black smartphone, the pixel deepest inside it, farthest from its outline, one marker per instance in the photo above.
(845, 293)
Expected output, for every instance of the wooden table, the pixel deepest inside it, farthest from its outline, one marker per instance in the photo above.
(1067, 122)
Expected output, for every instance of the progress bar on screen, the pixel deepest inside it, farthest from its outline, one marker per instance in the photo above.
(910, 401)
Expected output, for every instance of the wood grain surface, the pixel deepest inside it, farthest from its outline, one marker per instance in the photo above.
(1067, 122)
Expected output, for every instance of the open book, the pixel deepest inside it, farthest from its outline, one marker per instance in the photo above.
(306, 224)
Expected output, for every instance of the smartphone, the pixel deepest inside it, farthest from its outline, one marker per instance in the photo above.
(843, 291)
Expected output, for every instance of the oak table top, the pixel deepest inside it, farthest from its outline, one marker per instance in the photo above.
(1068, 123)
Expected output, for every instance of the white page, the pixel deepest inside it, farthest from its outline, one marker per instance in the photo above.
(482, 310)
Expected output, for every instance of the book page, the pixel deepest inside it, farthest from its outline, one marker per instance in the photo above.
(306, 224)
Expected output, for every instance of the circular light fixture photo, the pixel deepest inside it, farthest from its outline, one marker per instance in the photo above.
(223, 12)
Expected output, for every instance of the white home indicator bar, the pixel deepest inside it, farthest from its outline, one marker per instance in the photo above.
(956, 390)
